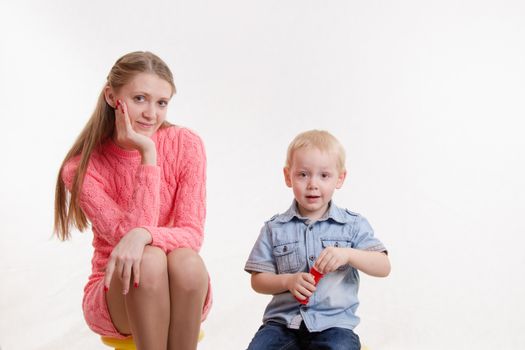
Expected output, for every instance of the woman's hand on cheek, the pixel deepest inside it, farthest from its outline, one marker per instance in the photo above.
(126, 257)
(125, 135)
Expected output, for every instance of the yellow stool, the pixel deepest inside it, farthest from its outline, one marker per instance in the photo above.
(128, 344)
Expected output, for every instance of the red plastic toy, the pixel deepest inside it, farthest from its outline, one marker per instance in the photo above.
(317, 277)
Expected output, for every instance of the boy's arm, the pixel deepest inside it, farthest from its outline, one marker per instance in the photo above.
(300, 284)
(269, 283)
(366, 253)
(372, 263)
(263, 269)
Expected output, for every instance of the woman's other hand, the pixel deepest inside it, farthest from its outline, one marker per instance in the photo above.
(126, 257)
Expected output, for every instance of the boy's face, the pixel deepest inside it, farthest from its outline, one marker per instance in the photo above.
(313, 175)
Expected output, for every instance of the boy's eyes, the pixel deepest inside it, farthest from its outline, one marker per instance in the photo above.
(322, 175)
(163, 103)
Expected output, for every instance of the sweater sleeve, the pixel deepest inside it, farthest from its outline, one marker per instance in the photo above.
(109, 220)
(186, 229)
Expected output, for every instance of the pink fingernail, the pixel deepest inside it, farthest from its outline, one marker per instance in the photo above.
(117, 104)
(136, 285)
(106, 289)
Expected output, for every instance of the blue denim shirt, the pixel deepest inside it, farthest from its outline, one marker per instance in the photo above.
(289, 243)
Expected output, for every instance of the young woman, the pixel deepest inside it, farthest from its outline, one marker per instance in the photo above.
(140, 182)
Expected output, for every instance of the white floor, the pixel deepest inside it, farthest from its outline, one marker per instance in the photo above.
(417, 307)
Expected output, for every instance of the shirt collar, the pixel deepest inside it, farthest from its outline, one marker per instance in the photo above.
(333, 213)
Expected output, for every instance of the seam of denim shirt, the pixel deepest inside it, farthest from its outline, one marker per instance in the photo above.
(258, 267)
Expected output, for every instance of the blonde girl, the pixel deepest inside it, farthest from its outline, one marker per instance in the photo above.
(140, 184)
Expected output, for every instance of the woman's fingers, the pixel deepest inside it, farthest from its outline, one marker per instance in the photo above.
(127, 121)
(110, 268)
(125, 259)
(120, 123)
(125, 132)
(123, 270)
(136, 274)
(126, 278)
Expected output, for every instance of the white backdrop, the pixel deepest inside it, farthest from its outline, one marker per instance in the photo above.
(426, 96)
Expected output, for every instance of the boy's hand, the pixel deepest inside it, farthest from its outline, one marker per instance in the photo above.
(331, 258)
(301, 285)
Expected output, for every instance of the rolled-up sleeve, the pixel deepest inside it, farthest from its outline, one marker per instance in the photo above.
(261, 257)
(364, 238)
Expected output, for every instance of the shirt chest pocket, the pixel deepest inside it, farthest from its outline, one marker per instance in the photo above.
(336, 242)
(287, 257)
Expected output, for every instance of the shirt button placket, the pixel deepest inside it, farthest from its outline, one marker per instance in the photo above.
(310, 244)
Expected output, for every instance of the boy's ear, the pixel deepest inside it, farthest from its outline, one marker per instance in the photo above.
(109, 95)
(341, 180)
(287, 179)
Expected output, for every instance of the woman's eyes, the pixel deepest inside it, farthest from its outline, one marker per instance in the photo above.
(142, 98)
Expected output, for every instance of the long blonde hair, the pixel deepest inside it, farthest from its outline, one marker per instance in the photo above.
(98, 129)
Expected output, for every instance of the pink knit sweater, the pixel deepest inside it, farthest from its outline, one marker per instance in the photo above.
(167, 199)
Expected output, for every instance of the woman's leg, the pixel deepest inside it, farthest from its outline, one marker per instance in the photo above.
(188, 279)
(144, 311)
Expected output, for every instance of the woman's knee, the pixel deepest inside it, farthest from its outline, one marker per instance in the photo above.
(187, 271)
(153, 268)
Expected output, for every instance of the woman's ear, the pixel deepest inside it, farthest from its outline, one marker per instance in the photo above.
(109, 95)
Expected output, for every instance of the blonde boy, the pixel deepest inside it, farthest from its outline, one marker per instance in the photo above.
(313, 232)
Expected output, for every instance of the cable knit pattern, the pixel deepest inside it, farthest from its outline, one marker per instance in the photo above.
(167, 199)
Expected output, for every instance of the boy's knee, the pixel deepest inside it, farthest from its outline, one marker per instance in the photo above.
(186, 270)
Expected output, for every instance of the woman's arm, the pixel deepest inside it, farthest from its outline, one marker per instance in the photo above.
(119, 226)
(111, 221)
(189, 207)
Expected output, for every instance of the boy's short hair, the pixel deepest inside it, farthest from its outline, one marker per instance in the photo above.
(320, 139)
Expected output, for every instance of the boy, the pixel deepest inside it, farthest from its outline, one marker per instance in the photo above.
(313, 233)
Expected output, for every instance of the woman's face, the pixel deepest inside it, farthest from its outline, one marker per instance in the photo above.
(146, 97)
